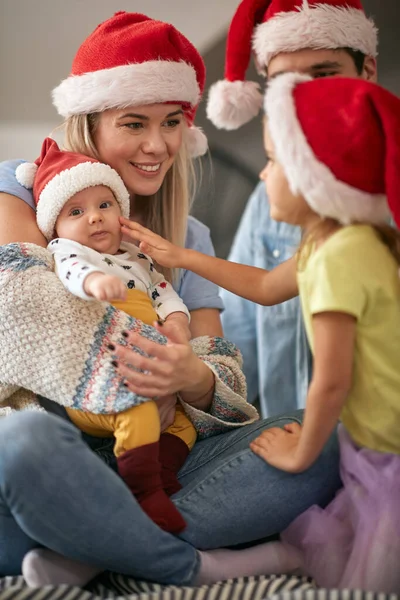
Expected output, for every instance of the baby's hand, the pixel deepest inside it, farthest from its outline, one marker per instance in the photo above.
(176, 328)
(104, 287)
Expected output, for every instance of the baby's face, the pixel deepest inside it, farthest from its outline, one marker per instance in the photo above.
(91, 218)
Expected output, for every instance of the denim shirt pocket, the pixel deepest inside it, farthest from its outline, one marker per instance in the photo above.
(275, 246)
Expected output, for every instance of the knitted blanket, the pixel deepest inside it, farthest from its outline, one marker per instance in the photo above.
(54, 344)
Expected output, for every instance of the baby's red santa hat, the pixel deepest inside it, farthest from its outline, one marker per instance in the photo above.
(270, 27)
(56, 176)
(133, 60)
(338, 142)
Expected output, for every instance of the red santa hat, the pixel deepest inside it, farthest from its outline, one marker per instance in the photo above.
(338, 142)
(273, 26)
(132, 60)
(56, 176)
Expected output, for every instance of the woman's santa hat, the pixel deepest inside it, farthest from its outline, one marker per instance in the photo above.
(273, 26)
(132, 60)
(338, 142)
(56, 176)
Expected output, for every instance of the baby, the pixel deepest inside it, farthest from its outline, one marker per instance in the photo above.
(79, 203)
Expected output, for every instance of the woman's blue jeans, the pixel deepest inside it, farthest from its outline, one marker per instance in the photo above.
(56, 492)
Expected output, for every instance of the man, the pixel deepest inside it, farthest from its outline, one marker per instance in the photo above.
(321, 38)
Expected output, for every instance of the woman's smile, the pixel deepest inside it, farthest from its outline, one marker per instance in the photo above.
(147, 169)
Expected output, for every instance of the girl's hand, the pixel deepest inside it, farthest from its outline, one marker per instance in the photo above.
(278, 447)
(167, 370)
(163, 252)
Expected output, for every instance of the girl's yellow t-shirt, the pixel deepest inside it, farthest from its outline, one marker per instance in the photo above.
(354, 272)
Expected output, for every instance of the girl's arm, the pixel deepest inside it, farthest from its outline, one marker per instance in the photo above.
(257, 285)
(334, 340)
(295, 449)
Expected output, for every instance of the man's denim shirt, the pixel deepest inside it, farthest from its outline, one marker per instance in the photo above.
(277, 360)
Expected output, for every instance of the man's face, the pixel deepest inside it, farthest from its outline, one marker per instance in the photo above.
(320, 63)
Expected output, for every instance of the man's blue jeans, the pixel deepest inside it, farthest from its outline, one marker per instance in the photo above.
(55, 492)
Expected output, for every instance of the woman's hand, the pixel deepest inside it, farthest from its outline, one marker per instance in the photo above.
(163, 252)
(166, 409)
(167, 369)
(176, 327)
(278, 447)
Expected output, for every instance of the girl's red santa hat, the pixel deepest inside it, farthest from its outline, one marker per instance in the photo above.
(133, 60)
(343, 155)
(270, 27)
(56, 176)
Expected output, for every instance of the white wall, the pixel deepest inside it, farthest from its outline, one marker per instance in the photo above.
(23, 141)
(38, 39)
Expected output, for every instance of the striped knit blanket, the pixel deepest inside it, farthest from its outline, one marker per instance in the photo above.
(54, 344)
(117, 587)
(113, 586)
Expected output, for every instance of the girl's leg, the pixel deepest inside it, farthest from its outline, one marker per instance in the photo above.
(55, 492)
(230, 496)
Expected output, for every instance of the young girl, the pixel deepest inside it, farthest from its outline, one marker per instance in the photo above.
(333, 149)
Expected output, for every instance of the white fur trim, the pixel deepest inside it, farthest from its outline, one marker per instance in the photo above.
(151, 82)
(196, 141)
(306, 175)
(322, 27)
(231, 104)
(25, 174)
(71, 181)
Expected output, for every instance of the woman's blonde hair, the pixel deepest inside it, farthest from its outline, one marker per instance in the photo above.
(165, 212)
(389, 236)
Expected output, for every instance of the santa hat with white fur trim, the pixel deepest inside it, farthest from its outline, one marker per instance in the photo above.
(56, 176)
(338, 142)
(273, 26)
(133, 60)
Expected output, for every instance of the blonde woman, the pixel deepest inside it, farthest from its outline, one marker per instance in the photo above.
(130, 102)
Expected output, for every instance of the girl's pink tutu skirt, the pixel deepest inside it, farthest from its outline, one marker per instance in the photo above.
(354, 542)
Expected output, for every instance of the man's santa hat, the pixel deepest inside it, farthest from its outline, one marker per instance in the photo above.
(132, 60)
(338, 142)
(56, 176)
(270, 27)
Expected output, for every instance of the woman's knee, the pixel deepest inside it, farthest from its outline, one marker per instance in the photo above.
(26, 437)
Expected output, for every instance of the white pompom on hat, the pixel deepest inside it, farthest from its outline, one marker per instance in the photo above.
(133, 60)
(56, 176)
(269, 27)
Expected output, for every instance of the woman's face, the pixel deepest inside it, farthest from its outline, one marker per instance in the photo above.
(140, 143)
